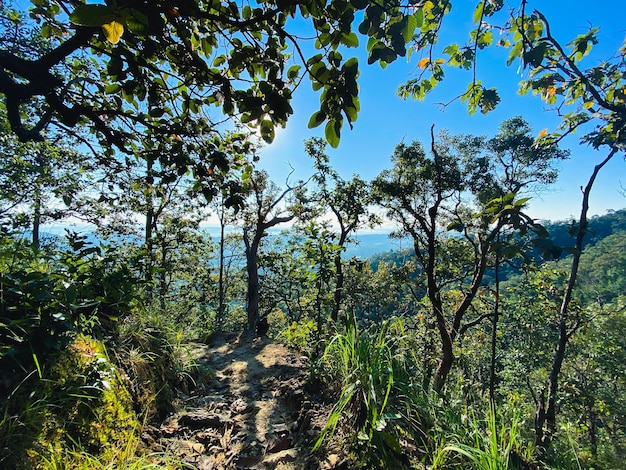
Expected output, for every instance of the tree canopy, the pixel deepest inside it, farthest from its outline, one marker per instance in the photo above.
(137, 70)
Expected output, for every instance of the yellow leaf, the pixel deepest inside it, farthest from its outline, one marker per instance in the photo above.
(543, 133)
(439, 61)
(423, 63)
(113, 31)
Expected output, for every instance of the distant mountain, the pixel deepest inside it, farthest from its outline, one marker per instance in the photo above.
(371, 243)
(562, 233)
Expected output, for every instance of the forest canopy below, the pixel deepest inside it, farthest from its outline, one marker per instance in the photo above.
(495, 341)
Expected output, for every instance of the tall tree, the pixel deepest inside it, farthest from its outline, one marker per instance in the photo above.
(348, 202)
(267, 206)
(41, 182)
(547, 405)
(457, 187)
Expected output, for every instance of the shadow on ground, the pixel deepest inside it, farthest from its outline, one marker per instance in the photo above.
(253, 412)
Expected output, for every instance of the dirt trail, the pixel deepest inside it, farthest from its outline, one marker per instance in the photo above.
(254, 412)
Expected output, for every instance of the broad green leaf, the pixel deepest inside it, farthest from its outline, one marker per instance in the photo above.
(478, 12)
(136, 21)
(419, 17)
(92, 15)
(293, 72)
(350, 40)
(111, 89)
(267, 131)
(316, 119)
(332, 131)
(156, 112)
(409, 27)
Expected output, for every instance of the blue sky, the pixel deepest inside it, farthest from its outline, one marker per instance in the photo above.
(385, 120)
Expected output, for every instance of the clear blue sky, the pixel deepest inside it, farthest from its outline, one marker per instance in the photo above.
(385, 120)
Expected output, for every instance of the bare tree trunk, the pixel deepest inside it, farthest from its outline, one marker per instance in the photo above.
(36, 220)
(148, 235)
(338, 294)
(252, 269)
(494, 332)
(546, 425)
(221, 308)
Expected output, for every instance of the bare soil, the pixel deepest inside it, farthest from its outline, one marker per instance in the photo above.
(256, 409)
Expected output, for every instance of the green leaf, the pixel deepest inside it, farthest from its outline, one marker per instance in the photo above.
(93, 15)
(267, 131)
(136, 21)
(478, 12)
(156, 112)
(332, 132)
(520, 202)
(316, 119)
(71, 294)
(409, 27)
(350, 40)
(293, 72)
(112, 89)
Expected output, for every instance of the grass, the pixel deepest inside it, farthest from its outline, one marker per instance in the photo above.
(492, 444)
(371, 372)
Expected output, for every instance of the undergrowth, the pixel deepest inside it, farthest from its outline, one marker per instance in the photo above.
(372, 374)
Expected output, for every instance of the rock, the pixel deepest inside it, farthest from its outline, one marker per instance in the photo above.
(280, 428)
(279, 445)
(183, 448)
(201, 419)
(332, 461)
(240, 406)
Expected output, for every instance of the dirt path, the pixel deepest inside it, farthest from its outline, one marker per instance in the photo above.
(254, 412)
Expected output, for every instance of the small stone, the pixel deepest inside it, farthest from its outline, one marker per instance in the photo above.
(279, 445)
(280, 428)
(333, 460)
(288, 455)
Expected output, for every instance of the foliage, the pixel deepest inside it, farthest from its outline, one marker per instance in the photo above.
(79, 401)
(602, 269)
(48, 295)
(348, 202)
(492, 445)
(268, 206)
(372, 372)
(299, 334)
(138, 74)
(473, 187)
(40, 182)
(555, 69)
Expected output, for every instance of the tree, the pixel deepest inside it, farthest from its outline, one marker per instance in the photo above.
(347, 200)
(287, 277)
(547, 408)
(136, 67)
(469, 186)
(267, 207)
(40, 182)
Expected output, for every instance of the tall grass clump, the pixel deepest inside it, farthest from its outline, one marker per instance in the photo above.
(491, 443)
(371, 372)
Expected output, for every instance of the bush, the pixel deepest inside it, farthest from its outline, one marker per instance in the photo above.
(78, 402)
(46, 296)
